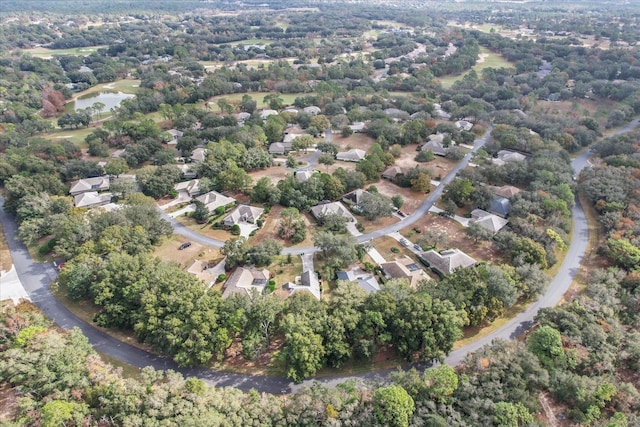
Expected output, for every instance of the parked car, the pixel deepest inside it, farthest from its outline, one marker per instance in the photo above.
(402, 214)
(417, 247)
(185, 245)
(404, 242)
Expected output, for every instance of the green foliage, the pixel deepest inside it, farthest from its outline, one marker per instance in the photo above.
(393, 406)
(546, 343)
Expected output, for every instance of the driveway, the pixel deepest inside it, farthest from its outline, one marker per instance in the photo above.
(11, 287)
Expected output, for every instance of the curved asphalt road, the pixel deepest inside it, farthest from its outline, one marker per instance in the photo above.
(36, 278)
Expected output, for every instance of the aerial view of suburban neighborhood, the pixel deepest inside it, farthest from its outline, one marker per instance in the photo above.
(320, 213)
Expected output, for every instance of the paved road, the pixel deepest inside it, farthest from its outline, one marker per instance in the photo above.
(36, 279)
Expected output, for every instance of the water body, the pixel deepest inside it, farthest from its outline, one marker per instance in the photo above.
(109, 99)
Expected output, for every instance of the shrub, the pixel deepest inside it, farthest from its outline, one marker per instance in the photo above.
(221, 278)
(235, 230)
(394, 250)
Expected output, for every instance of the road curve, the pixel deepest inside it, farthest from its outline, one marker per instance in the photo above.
(36, 278)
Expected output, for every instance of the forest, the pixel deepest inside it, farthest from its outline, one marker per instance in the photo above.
(232, 83)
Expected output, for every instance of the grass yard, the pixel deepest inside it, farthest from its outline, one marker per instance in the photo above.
(235, 98)
(46, 53)
(487, 59)
(385, 244)
(168, 251)
(269, 229)
(76, 136)
(283, 271)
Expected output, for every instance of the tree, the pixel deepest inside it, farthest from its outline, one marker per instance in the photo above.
(265, 192)
(478, 232)
(374, 206)
(262, 253)
(291, 162)
(422, 182)
(327, 160)
(274, 101)
(459, 191)
(116, 167)
(303, 351)
(225, 107)
(327, 147)
(292, 226)
(236, 250)
(546, 343)
(201, 213)
(122, 186)
(512, 414)
(98, 107)
(441, 382)
(392, 406)
(248, 104)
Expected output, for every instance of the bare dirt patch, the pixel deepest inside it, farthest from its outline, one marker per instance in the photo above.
(356, 140)
(274, 173)
(412, 199)
(5, 254)
(8, 402)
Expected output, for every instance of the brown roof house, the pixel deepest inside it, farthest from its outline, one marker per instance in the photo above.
(98, 183)
(445, 262)
(391, 172)
(508, 156)
(244, 280)
(405, 268)
(506, 191)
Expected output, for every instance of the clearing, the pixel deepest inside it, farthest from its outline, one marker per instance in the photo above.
(486, 59)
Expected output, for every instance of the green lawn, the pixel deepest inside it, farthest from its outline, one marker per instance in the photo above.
(492, 60)
(43, 52)
(287, 98)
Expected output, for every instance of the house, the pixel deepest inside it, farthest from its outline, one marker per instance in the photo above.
(391, 172)
(321, 210)
(188, 172)
(303, 176)
(396, 113)
(266, 113)
(405, 268)
(174, 134)
(243, 214)
(213, 200)
(508, 156)
(445, 262)
(244, 280)
(91, 199)
(118, 153)
(280, 148)
(98, 183)
(464, 125)
(241, 117)
(199, 155)
(192, 188)
(357, 127)
(312, 110)
(290, 136)
(365, 280)
(487, 220)
(500, 206)
(506, 191)
(355, 197)
(308, 282)
(436, 145)
(353, 155)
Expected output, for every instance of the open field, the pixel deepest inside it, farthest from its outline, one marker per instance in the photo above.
(46, 53)
(487, 59)
(235, 98)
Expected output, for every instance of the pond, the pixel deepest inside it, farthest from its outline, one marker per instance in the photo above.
(109, 99)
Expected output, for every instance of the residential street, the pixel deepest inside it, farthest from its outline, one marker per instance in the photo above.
(36, 279)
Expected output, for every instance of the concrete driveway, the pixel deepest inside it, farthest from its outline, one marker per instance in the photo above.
(11, 286)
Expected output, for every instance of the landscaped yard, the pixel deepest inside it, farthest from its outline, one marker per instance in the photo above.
(46, 53)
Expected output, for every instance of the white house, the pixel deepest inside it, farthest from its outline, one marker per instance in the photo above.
(175, 134)
(91, 199)
(243, 214)
(192, 188)
(98, 183)
(213, 200)
(445, 262)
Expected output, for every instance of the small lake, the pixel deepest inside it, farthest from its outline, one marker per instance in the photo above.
(109, 99)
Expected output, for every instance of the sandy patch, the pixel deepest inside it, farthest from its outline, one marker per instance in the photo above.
(482, 57)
